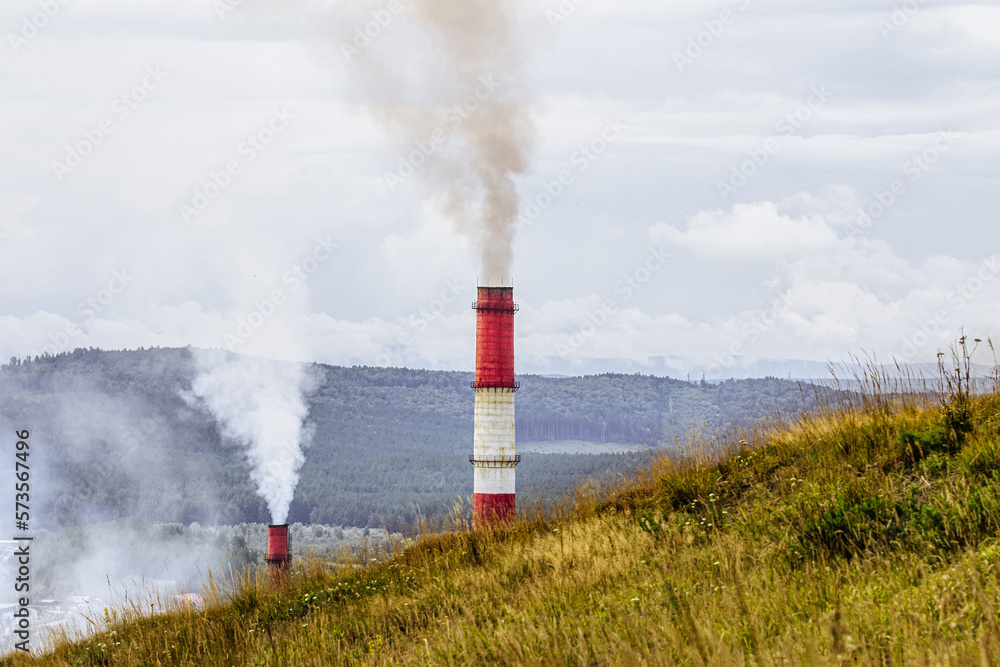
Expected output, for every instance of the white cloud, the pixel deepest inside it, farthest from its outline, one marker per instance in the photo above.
(981, 22)
(748, 231)
(424, 258)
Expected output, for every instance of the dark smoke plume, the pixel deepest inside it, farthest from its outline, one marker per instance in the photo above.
(446, 77)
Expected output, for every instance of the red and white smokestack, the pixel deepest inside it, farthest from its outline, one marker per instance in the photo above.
(493, 448)
(279, 551)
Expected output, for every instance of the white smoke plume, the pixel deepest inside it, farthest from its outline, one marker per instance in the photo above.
(447, 78)
(261, 405)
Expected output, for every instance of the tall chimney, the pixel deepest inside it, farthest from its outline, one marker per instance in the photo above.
(493, 456)
(279, 551)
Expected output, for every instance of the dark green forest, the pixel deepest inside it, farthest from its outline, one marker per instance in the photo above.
(117, 436)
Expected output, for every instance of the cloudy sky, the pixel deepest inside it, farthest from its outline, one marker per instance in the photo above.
(729, 188)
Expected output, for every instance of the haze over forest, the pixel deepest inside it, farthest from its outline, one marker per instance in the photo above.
(120, 437)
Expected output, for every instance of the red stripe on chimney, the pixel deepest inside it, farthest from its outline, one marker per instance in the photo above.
(493, 508)
(495, 337)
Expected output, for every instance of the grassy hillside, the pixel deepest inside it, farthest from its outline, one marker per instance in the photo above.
(867, 534)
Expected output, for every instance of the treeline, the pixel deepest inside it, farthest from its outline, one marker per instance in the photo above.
(120, 438)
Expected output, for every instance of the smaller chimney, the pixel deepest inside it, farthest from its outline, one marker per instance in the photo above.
(279, 551)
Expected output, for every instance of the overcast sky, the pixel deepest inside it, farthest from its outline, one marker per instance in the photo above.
(749, 186)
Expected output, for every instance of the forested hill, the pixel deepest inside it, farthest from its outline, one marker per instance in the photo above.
(121, 439)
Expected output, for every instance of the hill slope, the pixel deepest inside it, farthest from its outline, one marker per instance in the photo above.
(869, 535)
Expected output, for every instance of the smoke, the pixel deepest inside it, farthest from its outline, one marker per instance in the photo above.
(447, 78)
(124, 565)
(260, 404)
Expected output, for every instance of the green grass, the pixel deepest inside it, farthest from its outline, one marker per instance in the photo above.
(865, 534)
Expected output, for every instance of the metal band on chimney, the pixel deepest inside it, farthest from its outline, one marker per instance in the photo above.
(495, 461)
